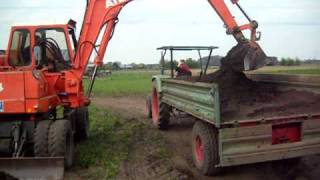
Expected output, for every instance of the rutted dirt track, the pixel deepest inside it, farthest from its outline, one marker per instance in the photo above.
(146, 163)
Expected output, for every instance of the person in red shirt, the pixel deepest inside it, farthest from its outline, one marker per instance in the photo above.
(183, 69)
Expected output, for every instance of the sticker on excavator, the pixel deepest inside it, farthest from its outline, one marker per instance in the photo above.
(1, 106)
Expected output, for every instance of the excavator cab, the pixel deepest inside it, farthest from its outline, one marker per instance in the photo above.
(38, 47)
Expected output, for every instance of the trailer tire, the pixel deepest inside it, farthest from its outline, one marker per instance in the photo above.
(40, 136)
(160, 111)
(149, 107)
(82, 123)
(162, 122)
(61, 143)
(205, 149)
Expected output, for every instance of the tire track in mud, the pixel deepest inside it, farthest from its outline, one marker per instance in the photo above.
(148, 156)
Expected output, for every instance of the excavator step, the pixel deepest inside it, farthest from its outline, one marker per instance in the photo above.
(32, 168)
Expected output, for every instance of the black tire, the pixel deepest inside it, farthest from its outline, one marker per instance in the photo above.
(61, 142)
(160, 111)
(82, 123)
(40, 136)
(206, 156)
(149, 107)
(164, 116)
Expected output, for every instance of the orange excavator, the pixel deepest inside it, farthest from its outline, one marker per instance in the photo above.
(43, 105)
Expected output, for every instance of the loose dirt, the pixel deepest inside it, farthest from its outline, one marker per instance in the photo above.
(6, 176)
(176, 162)
(241, 97)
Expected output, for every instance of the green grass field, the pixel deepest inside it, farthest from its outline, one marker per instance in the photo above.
(122, 83)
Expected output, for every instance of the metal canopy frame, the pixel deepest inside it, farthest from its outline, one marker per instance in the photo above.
(164, 50)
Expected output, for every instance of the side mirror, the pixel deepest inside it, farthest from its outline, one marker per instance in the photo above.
(37, 54)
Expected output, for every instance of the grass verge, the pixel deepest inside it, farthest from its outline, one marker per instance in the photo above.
(101, 155)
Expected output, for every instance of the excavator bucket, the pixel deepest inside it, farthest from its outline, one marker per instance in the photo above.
(255, 57)
(32, 168)
(246, 56)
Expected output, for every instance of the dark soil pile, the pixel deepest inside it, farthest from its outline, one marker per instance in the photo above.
(235, 88)
(5, 176)
(240, 97)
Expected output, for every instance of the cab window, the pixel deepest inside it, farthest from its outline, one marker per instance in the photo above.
(20, 52)
(51, 49)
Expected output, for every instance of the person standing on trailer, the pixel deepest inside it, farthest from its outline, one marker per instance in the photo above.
(183, 69)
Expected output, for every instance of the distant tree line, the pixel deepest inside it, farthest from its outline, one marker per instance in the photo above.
(290, 62)
(117, 65)
(195, 63)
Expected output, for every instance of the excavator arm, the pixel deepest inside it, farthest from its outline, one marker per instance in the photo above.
(231, 24)
(102, 14)
(101, 17)
(254, 57)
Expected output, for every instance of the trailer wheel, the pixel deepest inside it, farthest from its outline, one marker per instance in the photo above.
(162, 118)
(61, 142)
(82, 123)
(160, 111)
(205, 148)
(149, 107)
(40, 136)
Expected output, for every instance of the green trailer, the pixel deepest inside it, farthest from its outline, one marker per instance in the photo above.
(219, 142)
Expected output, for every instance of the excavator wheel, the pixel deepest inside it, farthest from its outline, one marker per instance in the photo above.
(40, 136)
(82, 123)
(61, 143)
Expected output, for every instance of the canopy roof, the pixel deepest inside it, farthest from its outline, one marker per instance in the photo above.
(187, 48)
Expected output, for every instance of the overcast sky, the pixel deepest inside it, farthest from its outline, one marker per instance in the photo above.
(289, 27)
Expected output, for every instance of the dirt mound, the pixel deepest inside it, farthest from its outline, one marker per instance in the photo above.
(6, 176)
(234, 87)
(242, 97)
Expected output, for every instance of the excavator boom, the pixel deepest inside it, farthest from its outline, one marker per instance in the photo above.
(101, 17)
(102, 14)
